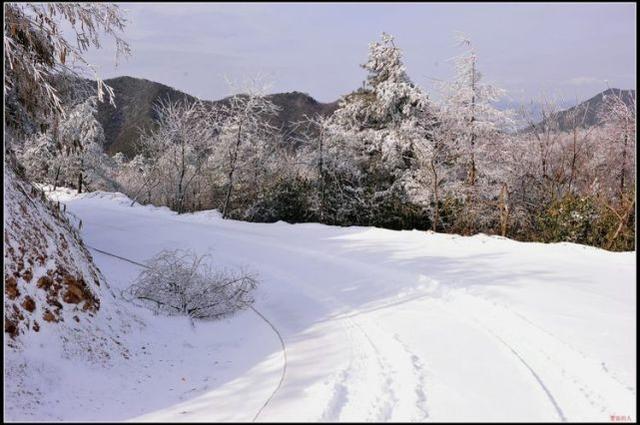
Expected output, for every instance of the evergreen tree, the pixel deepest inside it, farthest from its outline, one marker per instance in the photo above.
(385, 127)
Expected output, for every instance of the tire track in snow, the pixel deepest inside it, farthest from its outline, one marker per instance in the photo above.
(518, 356)
(271, 325)
(566, 368)
(385, 402)
(603, 366)
(340, 395)
(535, 375)
(418, 368)
(339, 398)
(368, 379)
(386, 405)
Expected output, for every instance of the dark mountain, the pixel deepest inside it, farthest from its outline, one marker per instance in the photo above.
(134, 99)
(588, 112)
(294, 106)
(134, 112)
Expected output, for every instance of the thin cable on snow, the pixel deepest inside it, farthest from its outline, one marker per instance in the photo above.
(271, 325)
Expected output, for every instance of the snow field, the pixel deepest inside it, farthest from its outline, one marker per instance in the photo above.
(378, 325)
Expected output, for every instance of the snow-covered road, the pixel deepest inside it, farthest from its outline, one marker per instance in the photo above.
(378, 325)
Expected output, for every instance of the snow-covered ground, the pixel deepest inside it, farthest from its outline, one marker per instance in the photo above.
(377, 325)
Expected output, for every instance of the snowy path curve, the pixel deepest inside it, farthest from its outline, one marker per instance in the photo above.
(367, 360)
(386, 407)
(398, 326)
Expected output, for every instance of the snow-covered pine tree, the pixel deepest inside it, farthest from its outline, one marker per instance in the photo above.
(383, 126)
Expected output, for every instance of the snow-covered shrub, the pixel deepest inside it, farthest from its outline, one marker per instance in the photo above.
(181, 282)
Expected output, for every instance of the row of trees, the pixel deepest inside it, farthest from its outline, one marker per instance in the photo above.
(389, 156)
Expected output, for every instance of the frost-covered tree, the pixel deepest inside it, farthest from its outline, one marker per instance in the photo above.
(243, 131)
(82, 141)
(544, 137)
(315, 133)
(439, 165)
(138, 177)
(618, 116)
(477, 126)
(383, 127)
(44, 47)
(70, 150)
(38, 155)
(471, 102)
(178, 147)
(42, 40)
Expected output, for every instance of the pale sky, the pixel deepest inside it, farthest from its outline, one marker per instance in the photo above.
(573, 50)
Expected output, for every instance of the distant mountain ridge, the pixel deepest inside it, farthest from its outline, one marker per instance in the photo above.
(134, 112)
(587, 112)
(135, 99)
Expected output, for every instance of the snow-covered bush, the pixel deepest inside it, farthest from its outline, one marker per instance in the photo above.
(181, 282)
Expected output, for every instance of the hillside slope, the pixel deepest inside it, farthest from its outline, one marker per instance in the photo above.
(49, 274)
(57, 303)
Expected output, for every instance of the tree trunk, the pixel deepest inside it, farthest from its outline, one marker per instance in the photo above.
(80, 182)
(436, 215)
(573, 158)
(624, 164)
(504, 211)
(81, 169)
(232, 167)
(180, 195)
(55, 181)
(322, 177)
(180, 200)
(472, 171)
(227, 198)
